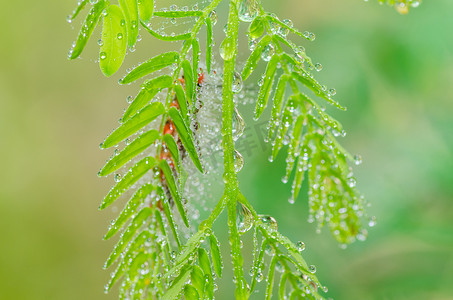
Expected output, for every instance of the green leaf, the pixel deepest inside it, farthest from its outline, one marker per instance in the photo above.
(80, 6)
(254, 57)
(282, 286)
(191, 293)
(173, 189)
(137, 245)
(197, 279)
(146, 9)
(178, 14)
(205, 265)
(139, 286)
(160, 222)
(127, 235)
(131, 177)
(181, 97)
(325, 118)
(277, 103)
(130, 151)
(169, 216)
(130, 209)
(152, 65)
(186, 136)
(287, 120)
(195, 60)
(130, 9)
(137, 122)
(270, 278)
(204, 261)
(256, 28)
(173, 148)
(215, 254)
(147, 92)
(290, 28)
(313, 85)
(87, 28)
(192, 244)
(301, 167)
(178, 37)
(208, 44)
(135, 265)
(266, 87)
(257, 263)
(177, 285)
(188, 80)
(113, 48)
(293, 146)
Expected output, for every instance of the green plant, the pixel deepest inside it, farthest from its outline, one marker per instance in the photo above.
(159, 258)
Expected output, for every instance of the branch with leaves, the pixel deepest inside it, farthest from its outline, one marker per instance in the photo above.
(159, 254)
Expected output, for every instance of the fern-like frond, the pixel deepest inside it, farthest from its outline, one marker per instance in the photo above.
(159, 253)
(299, 121)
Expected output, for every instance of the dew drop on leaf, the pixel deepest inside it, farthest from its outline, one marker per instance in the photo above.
(268, 52)
(238, 125)
(270, 222)
(237, 83)
(248, 10)
(213, 17)
(238, 161)
(300, 246)
(244, 218)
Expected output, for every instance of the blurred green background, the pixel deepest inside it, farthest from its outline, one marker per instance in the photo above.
(393, 72)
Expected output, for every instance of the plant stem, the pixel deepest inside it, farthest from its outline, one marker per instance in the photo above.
(229, 176)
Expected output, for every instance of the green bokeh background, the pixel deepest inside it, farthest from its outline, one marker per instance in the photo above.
(393, 72)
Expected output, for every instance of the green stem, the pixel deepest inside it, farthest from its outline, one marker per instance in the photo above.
(229, 176)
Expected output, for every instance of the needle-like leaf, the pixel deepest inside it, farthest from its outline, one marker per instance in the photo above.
(137, 122)
(87, 28)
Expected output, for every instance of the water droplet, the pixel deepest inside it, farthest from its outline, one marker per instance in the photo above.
(117, 177)
(332, 92)
(309, 35)
(269, 221)
(248, 10)
(259, 276)
(227, 48)
(103, 55)
(357, 159)
(318, 67)
(283, 31)
(238, 161)
(300, 246)
(244, 218)
(173, 7)
(238, 125)
(129, 99)
(213, 17)
(268, 52)
(352, 182)
(100, 42)
(372, 221)
(237, 83)
(312, 269)
(119, 36)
